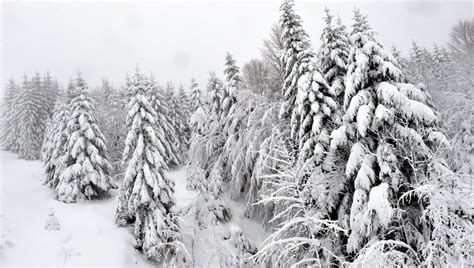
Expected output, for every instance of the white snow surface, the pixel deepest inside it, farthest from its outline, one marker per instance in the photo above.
(88, 235)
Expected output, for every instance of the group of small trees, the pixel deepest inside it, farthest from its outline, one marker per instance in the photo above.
(110, 104)
(25, 111)
(348, 168)
(447, 73)
(77, 166)
(65, 130)
(208, 157)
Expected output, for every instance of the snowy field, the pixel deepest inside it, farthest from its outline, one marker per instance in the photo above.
(88, 235)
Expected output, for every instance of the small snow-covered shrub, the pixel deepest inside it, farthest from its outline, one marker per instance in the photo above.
(52, 223)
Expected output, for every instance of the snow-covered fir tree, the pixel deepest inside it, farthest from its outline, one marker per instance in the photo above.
(50, 92)
(47, 94)
(215, 89)
(147, 193)
(312, 182)
(297, 51)
(30, 118)
(195, 99)
(110, 115)
(86, 173)
(440, 58)
(391, 132)
(10, 124)
(309, 99)
(419, 65)
(178, 119)
(333, 54)
(401, 61)
(391, 170)
(55, 144)
(177, 115)
(183, 99)
(233, 82)
(164, 123)
(71, 91)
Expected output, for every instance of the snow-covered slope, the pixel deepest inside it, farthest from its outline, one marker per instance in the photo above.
(88, 235)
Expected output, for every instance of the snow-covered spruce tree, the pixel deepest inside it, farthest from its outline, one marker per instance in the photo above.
(402, 63)
(45, 147)
(55, 144)
(440, 60)
(195, 99)
(391, 132)
(446, 77)
(50, 92)
(419, 65)
(183, 99)
(47, 94)
(447, 81)
(297, 50)
(147, 193)
(71, 91)
(305, 233)
(102, 97)
(326, 180)
(124, 93)
(308, 99)
(110, 114)
(168, 93)
(177, 116)
(179, 122)
(163, 123)
(443, 235)
(333, 55)
(233, 81)
(215, 88)
(30, 119)
(86, 173)
(10, 125)
(321, 173)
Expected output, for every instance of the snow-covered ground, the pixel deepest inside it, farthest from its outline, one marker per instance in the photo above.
(88, 235)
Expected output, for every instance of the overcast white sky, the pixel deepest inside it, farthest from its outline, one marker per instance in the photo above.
(177, 41)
